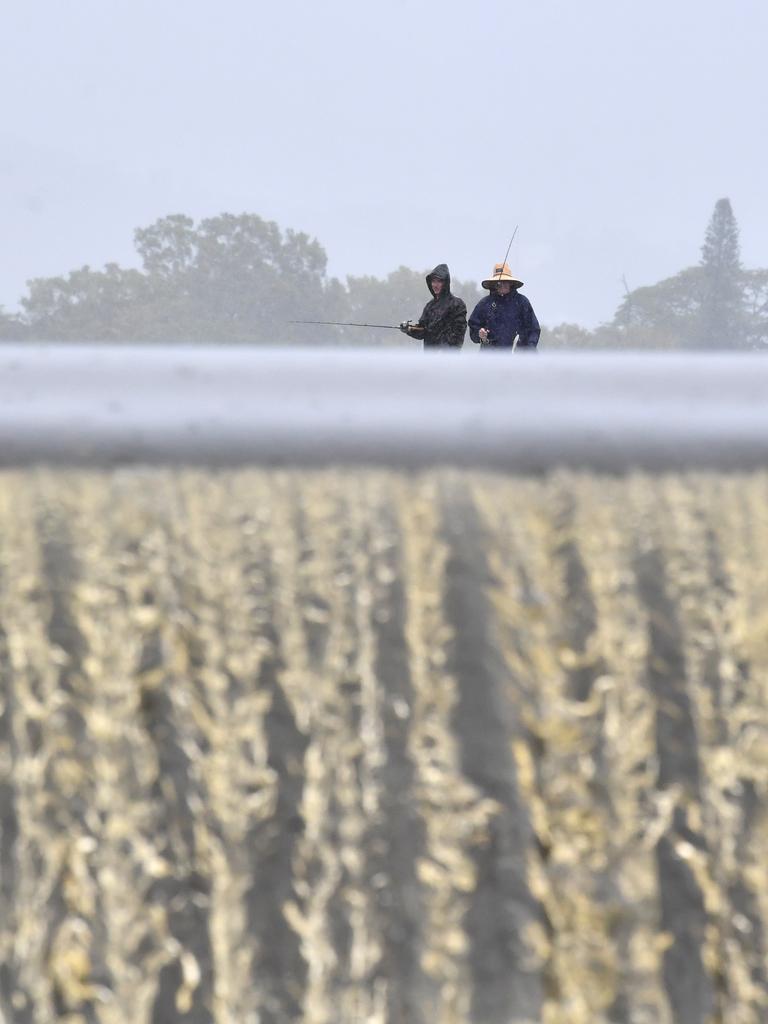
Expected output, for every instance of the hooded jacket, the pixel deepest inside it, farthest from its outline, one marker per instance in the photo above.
(444, 318)
(505, 317)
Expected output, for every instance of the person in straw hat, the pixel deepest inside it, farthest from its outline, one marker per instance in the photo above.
(505, 318)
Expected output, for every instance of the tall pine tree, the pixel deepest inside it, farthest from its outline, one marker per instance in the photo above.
(722, 322)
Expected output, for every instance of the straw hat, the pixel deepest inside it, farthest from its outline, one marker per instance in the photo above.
(501, 272)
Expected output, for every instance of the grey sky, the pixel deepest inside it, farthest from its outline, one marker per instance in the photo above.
(399, 133)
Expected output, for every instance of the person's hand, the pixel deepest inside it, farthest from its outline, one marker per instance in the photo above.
(483, 335)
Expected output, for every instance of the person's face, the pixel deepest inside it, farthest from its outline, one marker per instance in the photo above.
(437, 285)
(503, 287)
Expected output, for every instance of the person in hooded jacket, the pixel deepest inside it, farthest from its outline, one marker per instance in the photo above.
(505, 318)
(443, 323)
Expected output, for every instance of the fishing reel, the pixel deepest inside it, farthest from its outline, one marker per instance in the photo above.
(407, 326)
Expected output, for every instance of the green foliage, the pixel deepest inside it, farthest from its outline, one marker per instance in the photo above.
(721, 323)
(400, 296)
(86, 305)
(720, 254)
(231, 278)
(227, 279)
(241, 279)
(715, 305)
(11, 327)
(755, 295)
(668, 310)
(568, 336)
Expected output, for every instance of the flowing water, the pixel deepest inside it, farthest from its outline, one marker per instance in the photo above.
(365, 747)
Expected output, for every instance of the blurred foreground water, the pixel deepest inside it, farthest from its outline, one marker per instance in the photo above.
(368, 747)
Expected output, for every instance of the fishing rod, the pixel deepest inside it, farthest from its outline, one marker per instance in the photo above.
(498, 273)
(345, 323)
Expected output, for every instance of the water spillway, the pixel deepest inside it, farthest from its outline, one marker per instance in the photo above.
(349, 736)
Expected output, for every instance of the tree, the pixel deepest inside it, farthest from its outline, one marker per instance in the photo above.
(568, 336)
(228, 279)
(11, 327)
(713, 305)
(663, 315)
(87, 305)
(234, 278)
(721, 322)
(401, 295)
(755, 295)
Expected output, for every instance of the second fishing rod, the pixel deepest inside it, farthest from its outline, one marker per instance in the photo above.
(498, 272)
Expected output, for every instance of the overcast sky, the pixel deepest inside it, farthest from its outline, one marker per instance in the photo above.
(406, 133)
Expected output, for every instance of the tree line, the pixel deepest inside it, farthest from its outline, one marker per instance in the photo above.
(231, 278)
(718, 304)
(241, 279)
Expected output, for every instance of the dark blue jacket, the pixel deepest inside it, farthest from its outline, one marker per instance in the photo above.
(505, 316)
